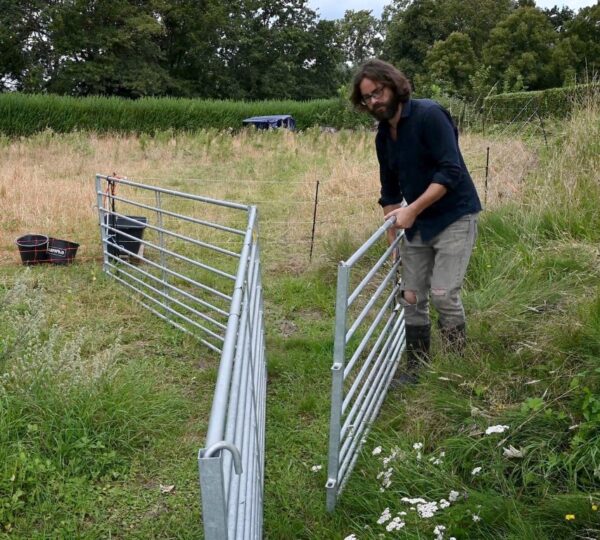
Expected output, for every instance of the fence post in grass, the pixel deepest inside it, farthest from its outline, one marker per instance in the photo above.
(537, 112)
(487, 173)
(314, 223)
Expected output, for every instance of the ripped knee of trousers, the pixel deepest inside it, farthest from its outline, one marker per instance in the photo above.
(445, 300)
(410, 297)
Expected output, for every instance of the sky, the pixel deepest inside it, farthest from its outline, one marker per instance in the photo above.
(334, 9)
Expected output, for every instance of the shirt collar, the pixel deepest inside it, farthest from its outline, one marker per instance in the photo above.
(406, 110)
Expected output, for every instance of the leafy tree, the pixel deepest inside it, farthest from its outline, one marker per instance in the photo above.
(197, 43)
(25, 44)
(106, 47)
(411, 31)
(582, 35)
(474, 18)
(559, 17)
(519, 51)
(451, 63)
(359, 36)
(412, 28)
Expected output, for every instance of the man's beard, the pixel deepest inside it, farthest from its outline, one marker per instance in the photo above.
(386, 111)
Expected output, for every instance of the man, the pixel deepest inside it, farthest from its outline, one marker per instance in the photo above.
(420, 163)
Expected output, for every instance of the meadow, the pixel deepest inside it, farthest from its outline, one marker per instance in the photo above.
(103, 407)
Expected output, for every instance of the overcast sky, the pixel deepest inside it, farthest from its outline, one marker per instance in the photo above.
(334, 9)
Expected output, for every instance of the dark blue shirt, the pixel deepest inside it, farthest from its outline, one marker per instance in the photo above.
(425, 152)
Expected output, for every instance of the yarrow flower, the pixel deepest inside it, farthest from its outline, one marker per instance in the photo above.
(418, 445)
(351, 537)
(395, 525)
(376, 451)
(453, 496)
(476, 518)
(392, 456)
(496, 429)
(475, 471)
(385, 516)
(427, 510)
(386, 477)
(412, 501)
(316, 468)
(439, 532)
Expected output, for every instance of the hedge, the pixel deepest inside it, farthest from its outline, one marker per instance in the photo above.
(25, 114)
(556, 102)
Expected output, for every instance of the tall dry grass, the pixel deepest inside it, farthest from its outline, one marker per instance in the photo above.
(47, 187)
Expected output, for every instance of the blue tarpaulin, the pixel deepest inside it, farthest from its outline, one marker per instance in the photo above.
(271, 122)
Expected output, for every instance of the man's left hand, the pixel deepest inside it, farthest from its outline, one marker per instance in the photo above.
(405, 217)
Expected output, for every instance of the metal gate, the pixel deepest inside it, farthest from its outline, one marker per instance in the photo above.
(369, 339)
(195, 263)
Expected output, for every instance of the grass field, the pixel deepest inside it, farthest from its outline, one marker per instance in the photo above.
(103, 407)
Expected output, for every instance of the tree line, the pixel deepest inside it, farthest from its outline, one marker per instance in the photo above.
(281, 49)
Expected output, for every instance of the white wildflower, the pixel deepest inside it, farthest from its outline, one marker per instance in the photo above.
(392, 456)
(351, 537)
(476, 518)
(376, 451)
(418, 445)
(453, 496)
(512, 452)
(444, 503)
(316, 468)
(439, 532)
(395, 525)
(475, 471)
(496, 429)
(428, 509)
(385, 516)
(412, 501)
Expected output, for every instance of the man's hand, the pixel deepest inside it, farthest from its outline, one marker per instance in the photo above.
(405, 217)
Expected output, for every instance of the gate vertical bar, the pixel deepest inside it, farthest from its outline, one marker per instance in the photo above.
(101, 219)
(161, 243)
(213, 502)
(337, 384)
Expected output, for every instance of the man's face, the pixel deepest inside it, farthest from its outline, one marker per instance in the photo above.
(381, 102)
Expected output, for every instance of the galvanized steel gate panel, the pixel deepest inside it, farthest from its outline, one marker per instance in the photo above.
(195, 262)
(369, 339)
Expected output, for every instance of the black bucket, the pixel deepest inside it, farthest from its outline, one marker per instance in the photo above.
(33, 248)
(127, 226)
(61, 251)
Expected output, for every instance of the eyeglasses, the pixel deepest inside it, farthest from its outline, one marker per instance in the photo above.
(376, 94)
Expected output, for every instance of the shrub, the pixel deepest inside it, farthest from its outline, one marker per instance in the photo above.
(23, 114)
(557, 102)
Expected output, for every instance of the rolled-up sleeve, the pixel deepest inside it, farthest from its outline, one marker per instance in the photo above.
(390, 187)
(441, 138)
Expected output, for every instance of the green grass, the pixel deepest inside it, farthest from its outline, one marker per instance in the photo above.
(101, 403)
